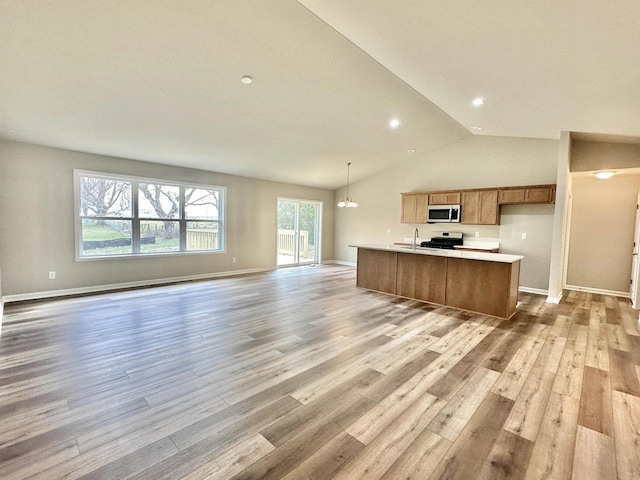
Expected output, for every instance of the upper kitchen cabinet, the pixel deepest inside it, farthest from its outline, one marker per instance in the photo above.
(414, 208)
(533, 194)
(480, 207)
(544, 194)
(444, 198)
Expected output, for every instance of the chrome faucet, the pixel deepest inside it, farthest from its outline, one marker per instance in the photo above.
(415, 238)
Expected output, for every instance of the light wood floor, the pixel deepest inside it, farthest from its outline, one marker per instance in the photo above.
(297, 374)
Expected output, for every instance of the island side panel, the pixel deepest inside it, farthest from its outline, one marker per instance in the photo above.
(377, 270)
(514, 287)
(479, 286)
(422, 277)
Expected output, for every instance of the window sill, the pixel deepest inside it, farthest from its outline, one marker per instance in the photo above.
(147, 255)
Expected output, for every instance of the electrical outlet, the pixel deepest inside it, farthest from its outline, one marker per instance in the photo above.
(388, 230)
(523, 236)
(233, 260)
(477, 234)
(52, 275)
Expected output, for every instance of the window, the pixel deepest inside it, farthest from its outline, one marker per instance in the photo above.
(120, 216)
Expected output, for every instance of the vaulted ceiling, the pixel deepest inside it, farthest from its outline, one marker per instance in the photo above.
(160, 81)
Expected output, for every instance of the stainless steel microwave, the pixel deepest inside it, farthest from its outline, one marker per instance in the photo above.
(443, 214)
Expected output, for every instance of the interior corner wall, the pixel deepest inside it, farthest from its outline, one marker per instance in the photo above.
(37, 211)
(602, 228)
(475, 162)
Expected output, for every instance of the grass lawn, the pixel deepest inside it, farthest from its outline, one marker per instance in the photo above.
(96, 232)
(93, 231)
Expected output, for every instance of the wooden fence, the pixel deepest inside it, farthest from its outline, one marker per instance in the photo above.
(287, 242)
(202, 239)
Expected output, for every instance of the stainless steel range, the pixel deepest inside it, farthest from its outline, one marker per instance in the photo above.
(446, 240)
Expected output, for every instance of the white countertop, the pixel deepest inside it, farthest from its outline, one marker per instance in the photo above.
(479, 245)
(438, 252)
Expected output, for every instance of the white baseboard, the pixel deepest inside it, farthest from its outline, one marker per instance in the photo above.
(537, 291)
(340, 262)
(599, 291)
(21, 297)
(555, 300)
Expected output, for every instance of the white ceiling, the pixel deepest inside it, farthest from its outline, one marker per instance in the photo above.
(160, 81)
(543, 66)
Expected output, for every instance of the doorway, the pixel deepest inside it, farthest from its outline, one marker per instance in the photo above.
(635, 264)
(298, 230)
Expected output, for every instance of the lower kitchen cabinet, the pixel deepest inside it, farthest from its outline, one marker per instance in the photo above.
(377, 270)
(487, 287)
(456, 279)
(421, 277)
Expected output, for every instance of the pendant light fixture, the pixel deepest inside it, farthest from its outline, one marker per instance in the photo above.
(347, 201)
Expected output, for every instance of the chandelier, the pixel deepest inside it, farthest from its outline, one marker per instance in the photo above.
(347, 201)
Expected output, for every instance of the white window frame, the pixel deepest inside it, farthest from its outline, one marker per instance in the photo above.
(320, 204)
(136, 219)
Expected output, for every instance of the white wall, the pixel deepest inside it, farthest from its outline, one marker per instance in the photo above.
(37, 211)
(475, 162)
(560, 220)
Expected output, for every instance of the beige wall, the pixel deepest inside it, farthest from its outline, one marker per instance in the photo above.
(37, 211)
(591, 156)
(1, 301)
(602, 226)
(475, 162)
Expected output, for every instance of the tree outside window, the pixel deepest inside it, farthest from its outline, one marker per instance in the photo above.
(168, 218)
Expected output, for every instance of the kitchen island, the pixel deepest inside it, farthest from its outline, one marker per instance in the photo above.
(474, 281)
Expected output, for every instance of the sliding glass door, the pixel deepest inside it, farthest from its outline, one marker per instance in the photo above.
(298, 228)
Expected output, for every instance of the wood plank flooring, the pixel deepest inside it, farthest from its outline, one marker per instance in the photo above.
(297, 374)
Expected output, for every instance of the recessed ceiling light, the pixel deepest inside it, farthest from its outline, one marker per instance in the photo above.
(246, 80)
(477, 129)
(604, 175)
(477, 102)
(394, 123)
(413, 150)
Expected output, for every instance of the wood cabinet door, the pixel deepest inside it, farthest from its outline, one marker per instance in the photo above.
(446, 198)
(479, 286)
(376, 270)
(538, 195)
(422, 202)
(421, 277)
(470, 205)
(489, 208)
(511, 196)
(414, 208)
(408, 212)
